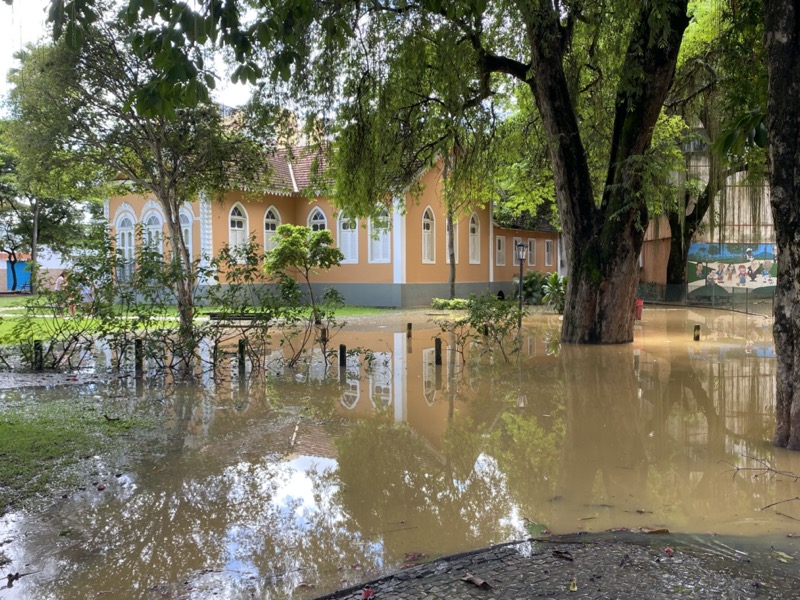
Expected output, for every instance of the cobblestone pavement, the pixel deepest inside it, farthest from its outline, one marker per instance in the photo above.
(604, 569)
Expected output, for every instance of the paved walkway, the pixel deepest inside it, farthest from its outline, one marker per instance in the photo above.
(595, 569)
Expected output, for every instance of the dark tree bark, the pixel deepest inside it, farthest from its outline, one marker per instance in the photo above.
(603, 242)
(782, 41)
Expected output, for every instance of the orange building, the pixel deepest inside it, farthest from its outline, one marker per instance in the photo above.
(399, 259)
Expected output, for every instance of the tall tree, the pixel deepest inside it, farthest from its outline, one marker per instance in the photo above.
(93, 84)
(554, 48)
(782, 42)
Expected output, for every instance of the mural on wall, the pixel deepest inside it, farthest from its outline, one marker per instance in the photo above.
(714, 268)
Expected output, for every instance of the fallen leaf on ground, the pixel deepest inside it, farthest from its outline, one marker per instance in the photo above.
(658, 530)
(367, 593)
(305, 586)
(565, 554)
(415, 556)
(782, 556)
(477, 581)
(669, 551)
(573, 586)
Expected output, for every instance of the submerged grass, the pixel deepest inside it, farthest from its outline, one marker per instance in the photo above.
(40, 442)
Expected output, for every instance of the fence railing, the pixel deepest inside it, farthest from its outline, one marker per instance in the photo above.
(756, 300)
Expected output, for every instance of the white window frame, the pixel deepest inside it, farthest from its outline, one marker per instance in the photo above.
(271, 225)
(447, 242)
(317, 221)
(380, 249)
(500, 250)
(428, 236)
(548, 253)
(237, 236)
(514, 258)
(474, 240)
(531, 252)
(347, 239)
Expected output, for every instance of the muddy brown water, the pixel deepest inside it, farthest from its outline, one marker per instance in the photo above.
(296, 485)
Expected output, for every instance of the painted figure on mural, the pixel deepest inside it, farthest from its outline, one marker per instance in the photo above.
(742, 275)
(748, 255)
(698, 270)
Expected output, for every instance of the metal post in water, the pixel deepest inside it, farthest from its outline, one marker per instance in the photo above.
(342, 355)
(323, 335)
(408, 330)
(437, 352)
(242, 352)
(697, 333)
(138, 357)
(38, 355)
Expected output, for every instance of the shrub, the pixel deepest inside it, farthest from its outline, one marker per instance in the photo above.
(450, 304)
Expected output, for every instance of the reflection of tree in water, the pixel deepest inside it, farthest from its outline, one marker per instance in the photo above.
(603, 457)
(400, 491)
(707, 413)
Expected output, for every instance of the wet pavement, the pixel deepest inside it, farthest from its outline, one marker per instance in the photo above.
(587, 569)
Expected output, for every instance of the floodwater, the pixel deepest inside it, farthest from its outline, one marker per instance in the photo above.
(314, 481)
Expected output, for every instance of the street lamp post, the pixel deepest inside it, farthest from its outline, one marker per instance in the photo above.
(522, 250)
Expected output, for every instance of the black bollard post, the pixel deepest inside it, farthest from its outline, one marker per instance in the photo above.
(408, 330)
(242, 361)
(697, 333)
(38, 355)
(437, 352)
(323, 336)
(138, 358)
(342, 363)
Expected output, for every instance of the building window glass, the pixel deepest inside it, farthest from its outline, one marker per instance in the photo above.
(153, 233)
(272, 220)
(317, 220)
(348, 239)
(237, 236)
(126, 248)
(500, 259)
(428, 239)
(474, 240)
(186, 232)
(531, 252)
(379, 243)
(548, 253)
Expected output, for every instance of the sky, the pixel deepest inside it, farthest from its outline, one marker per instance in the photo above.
(26, 21)
(21, 23)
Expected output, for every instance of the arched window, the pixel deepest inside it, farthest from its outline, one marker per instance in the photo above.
(474, 240)
(348, 239)
(317, 220)
(379, 243)
(186, 231)
(126, 248)
(428, 239)
(237, 227)
(272, 219)
(154, 233)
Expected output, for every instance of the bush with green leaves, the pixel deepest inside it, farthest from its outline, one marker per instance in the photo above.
(555, 292)
(533, 286)
(450, 303)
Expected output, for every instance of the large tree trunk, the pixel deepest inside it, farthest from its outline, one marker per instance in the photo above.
(782, 40)
(603, 242)
(183, 285)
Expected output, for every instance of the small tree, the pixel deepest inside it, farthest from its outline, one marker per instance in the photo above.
(301, 252)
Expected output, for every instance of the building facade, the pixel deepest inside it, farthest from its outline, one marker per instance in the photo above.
(397, 259)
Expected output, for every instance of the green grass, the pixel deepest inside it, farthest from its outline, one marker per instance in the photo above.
(40, 442)
(11, 300)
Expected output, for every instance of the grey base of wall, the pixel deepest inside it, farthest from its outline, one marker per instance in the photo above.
(396, 295)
